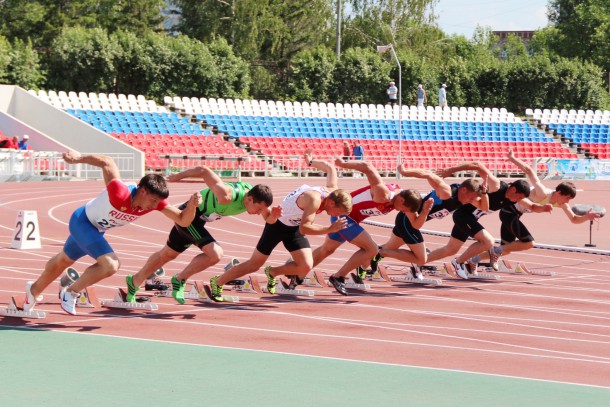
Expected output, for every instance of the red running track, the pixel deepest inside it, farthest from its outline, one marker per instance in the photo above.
(551, 328)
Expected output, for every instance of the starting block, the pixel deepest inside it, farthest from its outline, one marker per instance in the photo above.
(353, 285)
(88, 299)
(520, 268)
(281, 288)
(233, 262)
(68, 277)
(450, 270)
(409, 278)
(120, 302)
(315, 279)
(380, 275)
(15, 309)
(204, 294)
(243, 285)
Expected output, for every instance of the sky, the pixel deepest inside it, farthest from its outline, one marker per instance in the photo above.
(463, 16)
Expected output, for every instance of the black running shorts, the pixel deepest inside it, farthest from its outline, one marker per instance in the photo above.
(277, 232)
(406, 231)
(180, 239)
(513, 229)
(465, 224)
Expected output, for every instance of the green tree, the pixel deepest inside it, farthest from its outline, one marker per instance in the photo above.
(582, 30)
(5, 58)
(83, 60)
(257, 29)
(43, 20)
(361, 76)
(24, 69)
(311, 75)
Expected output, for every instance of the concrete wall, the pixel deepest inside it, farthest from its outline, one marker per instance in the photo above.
(52, 129)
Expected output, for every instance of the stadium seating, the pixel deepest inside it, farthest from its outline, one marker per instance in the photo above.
(587, 129)
(148, 127)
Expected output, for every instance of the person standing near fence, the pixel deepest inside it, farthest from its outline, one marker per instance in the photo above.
(421, 96)
(442, 96)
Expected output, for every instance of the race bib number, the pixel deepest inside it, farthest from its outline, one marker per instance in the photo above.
(439, 214)
(107, 223)
(479, 213)
(371, 212)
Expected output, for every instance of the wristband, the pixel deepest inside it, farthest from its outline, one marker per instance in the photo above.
(310, 161)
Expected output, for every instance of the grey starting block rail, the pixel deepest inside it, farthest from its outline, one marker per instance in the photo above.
(15, 309)
(119, 302)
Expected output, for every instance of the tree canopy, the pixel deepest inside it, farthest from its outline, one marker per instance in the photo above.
(277, 49)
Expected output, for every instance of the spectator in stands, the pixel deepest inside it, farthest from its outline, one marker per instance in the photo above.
(13, 143)
(442, 96)
(421, 96)
(24, 144)
(347, 152)
(358, 151)
(392, 94)
(119, 204)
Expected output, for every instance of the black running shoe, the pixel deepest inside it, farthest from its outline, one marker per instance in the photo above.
(357, 279)
(294, 282)
(156, 285)
(339, 284)
(361, 272)
(375, 262)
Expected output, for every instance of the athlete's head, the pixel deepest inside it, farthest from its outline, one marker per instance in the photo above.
(152, 189)
(338, 202)
(407, 200)
(518, 190)
(468, 191)
(258, 199)
(564, 192)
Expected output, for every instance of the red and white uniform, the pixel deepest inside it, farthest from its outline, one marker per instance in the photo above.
(291, 212)
(113, 207)
(363, 205)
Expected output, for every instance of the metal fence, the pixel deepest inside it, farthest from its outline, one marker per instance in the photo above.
(17, 165)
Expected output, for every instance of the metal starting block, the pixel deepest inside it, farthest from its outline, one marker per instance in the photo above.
(449, 270)
(15, 309)
(353, 285)
(383, 275)
(521, 268)
(281, 288)
(120, 302)
(204, 294)
(243, 285)
(88, 299)
(315, 279)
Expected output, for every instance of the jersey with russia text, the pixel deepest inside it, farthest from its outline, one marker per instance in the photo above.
(363, 205)
(291, 212)
(113, 208)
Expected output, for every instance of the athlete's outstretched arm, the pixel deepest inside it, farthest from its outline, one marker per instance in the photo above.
(493, 183)
(379, 190)
(332, 181)
(442, 189)
(223, 192)
(105, 163)
(529, 173)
